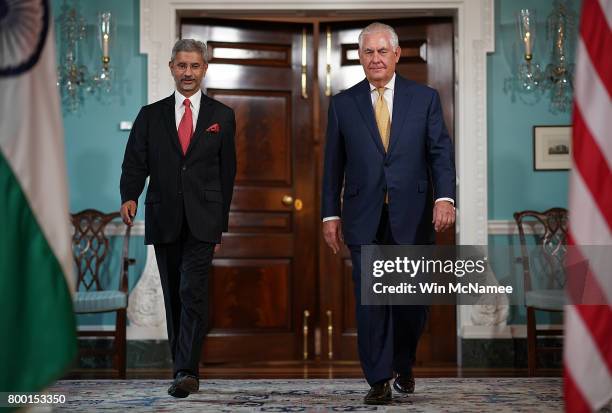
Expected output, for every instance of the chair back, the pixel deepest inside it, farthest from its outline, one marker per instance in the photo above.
(550, 232)
(90, 248)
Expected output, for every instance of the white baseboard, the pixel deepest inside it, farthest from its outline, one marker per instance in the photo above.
(133, 332)
(511, 331)
(466, 332)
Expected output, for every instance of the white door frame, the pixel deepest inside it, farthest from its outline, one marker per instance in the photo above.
(474, 38)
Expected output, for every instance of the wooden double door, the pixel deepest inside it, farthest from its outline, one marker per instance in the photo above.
(277, 293)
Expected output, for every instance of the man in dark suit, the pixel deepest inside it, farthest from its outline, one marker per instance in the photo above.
(386, 141)
(185, 145)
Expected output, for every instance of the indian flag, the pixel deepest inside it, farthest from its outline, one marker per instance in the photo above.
(38, 339)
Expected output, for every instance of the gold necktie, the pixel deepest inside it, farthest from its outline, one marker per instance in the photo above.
(383, 119)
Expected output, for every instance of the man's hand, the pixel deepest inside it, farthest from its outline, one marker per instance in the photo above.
(217, 248)
(443, 215)
(128, 212)
(332, 232)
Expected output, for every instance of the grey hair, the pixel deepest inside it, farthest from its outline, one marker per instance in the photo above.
(189, 45)
(379, 27)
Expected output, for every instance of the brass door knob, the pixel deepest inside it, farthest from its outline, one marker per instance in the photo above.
(287, 200)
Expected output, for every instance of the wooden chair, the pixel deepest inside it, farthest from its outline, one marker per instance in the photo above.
(90, 248)
(551, 239)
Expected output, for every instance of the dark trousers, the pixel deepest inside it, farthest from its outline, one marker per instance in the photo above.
(387, 336)
(184, 266)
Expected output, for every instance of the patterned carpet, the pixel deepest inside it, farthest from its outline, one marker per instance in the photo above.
(341, 395)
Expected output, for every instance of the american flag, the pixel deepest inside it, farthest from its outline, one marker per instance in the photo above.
(588, 328)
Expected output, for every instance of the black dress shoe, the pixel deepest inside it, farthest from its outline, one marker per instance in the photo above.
(404, 383)
(187, 382)
(176, 391)
(184, 384)
(380, 393)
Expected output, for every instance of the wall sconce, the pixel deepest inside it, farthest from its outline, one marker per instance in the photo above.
(102, 80)
(557, 78)
(529, 72)
(559, 73)
(74, 79)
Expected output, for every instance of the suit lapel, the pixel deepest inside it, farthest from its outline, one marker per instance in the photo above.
(205, 116)
(401, 103)
(364, 103)
(170, 122)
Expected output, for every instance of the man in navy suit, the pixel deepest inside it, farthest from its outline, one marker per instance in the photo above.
(387, 142)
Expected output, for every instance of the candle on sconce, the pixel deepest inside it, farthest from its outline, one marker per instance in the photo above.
(105, 40)
(104, 25)
(526, 30)
(527, 41)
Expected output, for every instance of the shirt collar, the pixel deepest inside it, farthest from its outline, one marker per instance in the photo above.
(195, 99)
(390, 85)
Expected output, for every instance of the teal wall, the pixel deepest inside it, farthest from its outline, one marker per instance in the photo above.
(513, 184)
(94, 143)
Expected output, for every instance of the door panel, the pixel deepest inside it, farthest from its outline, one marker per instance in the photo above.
(263, 277)
(264, 129)
(251, 294)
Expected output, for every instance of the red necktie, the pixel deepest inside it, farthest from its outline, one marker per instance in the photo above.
(185, 129)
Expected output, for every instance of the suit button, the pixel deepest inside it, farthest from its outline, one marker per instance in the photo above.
(184, 168)
(387, 163)
(180, 192)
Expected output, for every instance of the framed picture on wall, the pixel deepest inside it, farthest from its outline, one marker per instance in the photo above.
(552, 148)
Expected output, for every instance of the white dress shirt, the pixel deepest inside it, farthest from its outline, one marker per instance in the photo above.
(388, 96)
(179, 108)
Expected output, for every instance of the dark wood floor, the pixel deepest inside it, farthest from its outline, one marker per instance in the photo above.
(301, 370)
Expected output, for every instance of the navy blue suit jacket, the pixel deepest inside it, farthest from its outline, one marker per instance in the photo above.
(418, 167)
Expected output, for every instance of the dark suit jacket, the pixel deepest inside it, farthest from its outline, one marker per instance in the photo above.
(418, 168)
(201, 182)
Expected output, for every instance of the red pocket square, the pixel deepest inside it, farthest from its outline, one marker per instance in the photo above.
(213, 128)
